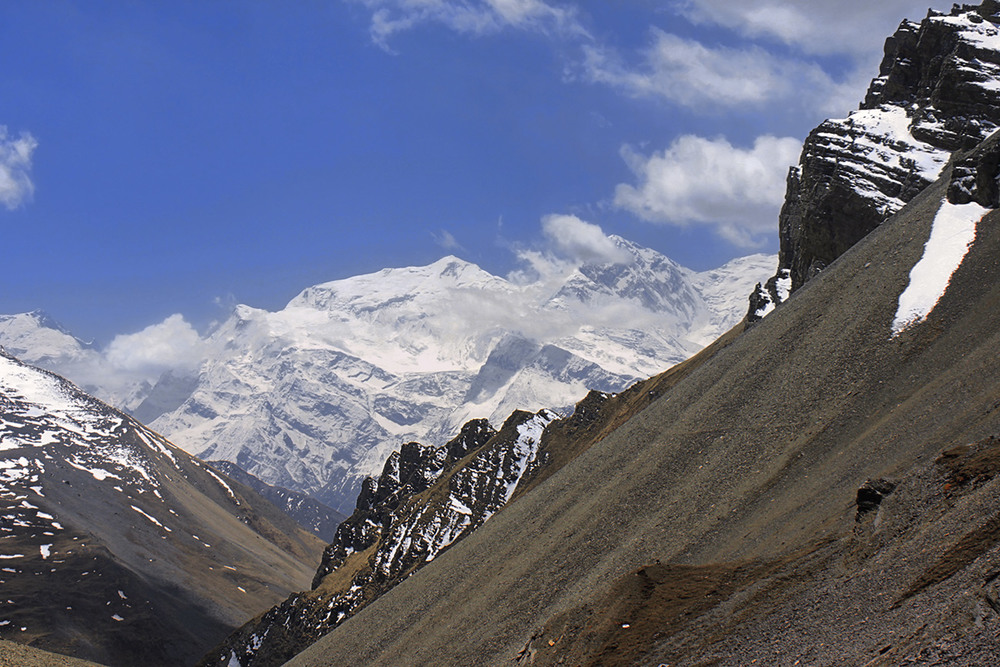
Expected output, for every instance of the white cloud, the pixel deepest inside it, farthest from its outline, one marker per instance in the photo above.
(16, 187)
(171, 344)
(476, 17)
(582, 242)
(569, 242)
(849, 27)
(446, 240)
(711, 182)
(688, 73)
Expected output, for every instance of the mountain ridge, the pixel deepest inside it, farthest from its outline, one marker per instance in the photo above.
(117, 546)
(352, 368)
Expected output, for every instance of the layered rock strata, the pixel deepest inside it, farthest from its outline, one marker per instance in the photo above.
(937, 92)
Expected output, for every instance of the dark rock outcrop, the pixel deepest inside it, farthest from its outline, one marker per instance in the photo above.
(406, 473)
(937, 92)
(871, 494)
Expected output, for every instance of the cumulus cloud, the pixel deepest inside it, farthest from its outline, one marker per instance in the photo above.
(567, 243)
(738, 191)
(475, 17)
(16, 186)
(689, 73)
(582, 242)
(849, 27)
(171, 344)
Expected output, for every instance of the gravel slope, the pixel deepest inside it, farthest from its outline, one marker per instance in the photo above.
(756, 457)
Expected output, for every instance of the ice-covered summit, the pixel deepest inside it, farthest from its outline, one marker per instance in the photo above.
(316, 395)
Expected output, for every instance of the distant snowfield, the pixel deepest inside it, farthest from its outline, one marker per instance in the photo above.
(952, 234)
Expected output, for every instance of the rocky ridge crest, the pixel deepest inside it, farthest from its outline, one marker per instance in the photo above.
(937, 92)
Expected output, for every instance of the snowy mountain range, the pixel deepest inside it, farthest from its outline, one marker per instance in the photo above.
(315, 396)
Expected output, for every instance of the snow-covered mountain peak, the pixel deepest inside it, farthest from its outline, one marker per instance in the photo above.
(315, 395)
(363, 295)
(40, 335)
(650, 282)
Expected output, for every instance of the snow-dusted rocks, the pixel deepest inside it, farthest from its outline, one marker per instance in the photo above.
(938, 91)
(425, 500)
(314, 397)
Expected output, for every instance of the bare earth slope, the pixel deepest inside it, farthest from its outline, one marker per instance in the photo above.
(746, 473)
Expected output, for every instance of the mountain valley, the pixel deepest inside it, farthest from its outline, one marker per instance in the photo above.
(617, 465)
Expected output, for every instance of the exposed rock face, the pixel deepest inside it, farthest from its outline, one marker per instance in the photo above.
(871, 494)
(938, 91)
(426, 499)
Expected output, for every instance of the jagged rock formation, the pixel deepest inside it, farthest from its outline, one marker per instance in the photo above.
(118, 547)
(936, 93)
(314, 516)
(426, 499)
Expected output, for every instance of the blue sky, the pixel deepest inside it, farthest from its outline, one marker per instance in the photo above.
(164, 158)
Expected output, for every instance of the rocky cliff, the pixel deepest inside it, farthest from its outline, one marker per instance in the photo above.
(937, 92)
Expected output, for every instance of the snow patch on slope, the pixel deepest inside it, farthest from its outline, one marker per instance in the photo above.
(952, 233)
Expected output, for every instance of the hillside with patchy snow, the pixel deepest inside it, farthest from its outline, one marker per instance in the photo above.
(118, 547)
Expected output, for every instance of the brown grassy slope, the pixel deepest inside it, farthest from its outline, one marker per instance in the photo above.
(754, 456)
